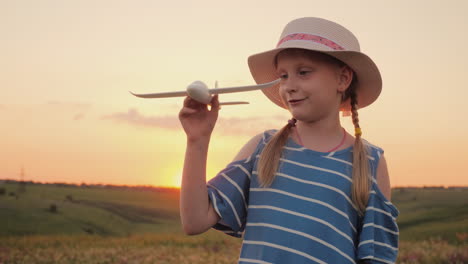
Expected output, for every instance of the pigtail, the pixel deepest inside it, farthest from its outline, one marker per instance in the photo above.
(269, 158)
(361, 178)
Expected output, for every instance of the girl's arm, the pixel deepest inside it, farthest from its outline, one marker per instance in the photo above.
(383, 180)
(194, 185)
(196, 213)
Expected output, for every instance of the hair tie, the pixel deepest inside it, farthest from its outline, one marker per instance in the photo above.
(357, 131)
(292, 122)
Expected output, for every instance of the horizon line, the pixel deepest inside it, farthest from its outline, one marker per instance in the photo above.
(178, 187)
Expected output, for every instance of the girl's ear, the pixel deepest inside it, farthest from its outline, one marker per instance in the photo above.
(345, 76)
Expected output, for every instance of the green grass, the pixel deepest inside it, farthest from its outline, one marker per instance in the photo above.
(92, 210)
(424, 213)
(431, 213)
(100, 225)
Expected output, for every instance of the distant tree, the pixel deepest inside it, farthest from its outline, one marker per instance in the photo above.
(69, 198)
(53, 208)
(88, 230)
(2, 191)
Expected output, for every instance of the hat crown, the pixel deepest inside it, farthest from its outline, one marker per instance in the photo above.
(320, 27)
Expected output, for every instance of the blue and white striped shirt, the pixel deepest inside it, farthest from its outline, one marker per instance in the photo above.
(306, 215)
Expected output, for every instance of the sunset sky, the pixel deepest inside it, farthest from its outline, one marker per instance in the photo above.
(66, 69)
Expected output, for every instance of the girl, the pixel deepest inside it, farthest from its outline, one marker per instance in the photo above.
(309, 192)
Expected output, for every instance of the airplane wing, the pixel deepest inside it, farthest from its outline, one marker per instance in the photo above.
(161, 95)
(242, 88)
(210, 91)
(233, 103)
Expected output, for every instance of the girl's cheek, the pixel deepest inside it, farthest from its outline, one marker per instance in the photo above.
(282, 94)
(282, 89)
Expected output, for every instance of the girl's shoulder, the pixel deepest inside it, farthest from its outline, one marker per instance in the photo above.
(374, 151)
(268, 134)
(370, 144)
(254, 146)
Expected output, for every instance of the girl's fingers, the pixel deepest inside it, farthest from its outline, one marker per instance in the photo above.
(187, 111)
(191, 107)
(215, 103)
(189, 102)
(192, 103)
(186, 100)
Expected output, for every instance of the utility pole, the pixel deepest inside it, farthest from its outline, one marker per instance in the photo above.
(22, 183)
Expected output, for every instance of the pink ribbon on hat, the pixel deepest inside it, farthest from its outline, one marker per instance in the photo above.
(313, 38)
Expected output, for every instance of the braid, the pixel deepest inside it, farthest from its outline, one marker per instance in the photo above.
(355, 115)
(361, 180)
(270, 156)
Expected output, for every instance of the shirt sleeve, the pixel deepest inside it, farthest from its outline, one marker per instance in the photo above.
(378, 231)
(228, 191)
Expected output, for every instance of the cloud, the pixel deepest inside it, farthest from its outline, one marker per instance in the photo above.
(74, 105)
(133, 117)
(70, 106)
(225, 126)
(78, 116)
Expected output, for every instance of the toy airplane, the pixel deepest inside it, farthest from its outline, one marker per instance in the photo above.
(200, 92)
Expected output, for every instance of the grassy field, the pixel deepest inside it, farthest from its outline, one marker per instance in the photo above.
(100, 225)
(99, 211)
(431, 213)
(209, 248)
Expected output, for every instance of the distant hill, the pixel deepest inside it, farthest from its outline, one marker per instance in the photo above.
(31, 208)
(65, 209)
(431, 212)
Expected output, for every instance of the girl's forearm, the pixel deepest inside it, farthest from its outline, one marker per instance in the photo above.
(194, 202)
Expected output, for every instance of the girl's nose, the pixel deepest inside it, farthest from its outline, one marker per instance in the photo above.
(289, 85)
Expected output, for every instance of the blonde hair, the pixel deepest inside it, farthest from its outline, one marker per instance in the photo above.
(269, 161)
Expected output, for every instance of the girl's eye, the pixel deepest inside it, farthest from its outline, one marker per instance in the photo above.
(283, 76)
(302, 73)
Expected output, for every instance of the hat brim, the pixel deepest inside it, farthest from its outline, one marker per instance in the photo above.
(369, 81)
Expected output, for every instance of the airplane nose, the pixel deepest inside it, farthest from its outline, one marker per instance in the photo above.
(198, 90)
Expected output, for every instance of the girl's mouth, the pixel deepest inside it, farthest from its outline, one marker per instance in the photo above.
(296, 101)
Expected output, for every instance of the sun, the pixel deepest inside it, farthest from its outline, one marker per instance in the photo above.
(177, 180)
(171, 176)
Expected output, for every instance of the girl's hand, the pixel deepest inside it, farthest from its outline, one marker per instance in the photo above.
(197, 120)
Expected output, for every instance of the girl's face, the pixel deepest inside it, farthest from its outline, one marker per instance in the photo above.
(310, 85)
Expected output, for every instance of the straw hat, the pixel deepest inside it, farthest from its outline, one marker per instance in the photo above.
(327, 37)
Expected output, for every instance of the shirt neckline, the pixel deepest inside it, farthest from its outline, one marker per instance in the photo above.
(308, 150)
